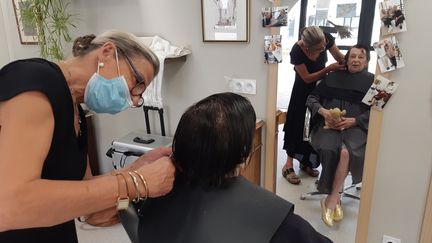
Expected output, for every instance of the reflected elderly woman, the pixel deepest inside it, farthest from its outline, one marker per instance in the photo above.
(209, 201)
(341, 147)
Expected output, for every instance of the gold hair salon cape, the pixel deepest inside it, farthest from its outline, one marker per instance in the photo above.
(239, 212)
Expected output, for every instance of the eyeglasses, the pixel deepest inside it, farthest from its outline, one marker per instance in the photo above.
(140, 85)
(319, 48)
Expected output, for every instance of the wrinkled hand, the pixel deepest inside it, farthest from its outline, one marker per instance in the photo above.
(329, 120)
(159, 175)
(336, 66)
(345, 123)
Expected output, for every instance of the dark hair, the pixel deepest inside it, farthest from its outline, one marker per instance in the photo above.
(128, 43)
(213, 137)
(359, 46)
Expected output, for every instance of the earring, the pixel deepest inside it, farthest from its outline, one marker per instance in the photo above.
(101, 64)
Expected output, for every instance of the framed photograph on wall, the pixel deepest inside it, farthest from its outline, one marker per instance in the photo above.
(380, 92)
(274, 16)
(389, 54)
(273, 49)
(27, 33)
(392, 15)
(225, 20)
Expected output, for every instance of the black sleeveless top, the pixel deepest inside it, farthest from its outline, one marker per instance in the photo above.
(67, 157)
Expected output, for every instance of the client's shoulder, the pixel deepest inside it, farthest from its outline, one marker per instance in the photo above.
(296, 229)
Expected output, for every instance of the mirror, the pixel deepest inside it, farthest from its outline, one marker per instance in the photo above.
(340, 12)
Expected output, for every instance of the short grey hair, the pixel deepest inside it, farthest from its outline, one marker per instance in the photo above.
(127, 43)
(312, 36)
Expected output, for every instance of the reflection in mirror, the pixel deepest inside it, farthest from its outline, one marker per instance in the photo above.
(343, 13)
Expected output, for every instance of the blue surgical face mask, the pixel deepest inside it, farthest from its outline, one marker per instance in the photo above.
(107, 95)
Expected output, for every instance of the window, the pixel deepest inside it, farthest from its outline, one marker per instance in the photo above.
(339, 12)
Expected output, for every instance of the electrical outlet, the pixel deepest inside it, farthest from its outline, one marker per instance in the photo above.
(244, 86)
(389, 239)
(249, 86)
(236, 86)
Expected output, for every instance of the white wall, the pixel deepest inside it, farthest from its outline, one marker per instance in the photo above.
(184, 83)
(4, 54)
(404, 166)
(11, 48)
(404, 161)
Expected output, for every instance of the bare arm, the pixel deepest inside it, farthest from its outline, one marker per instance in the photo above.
(337, 54)
(312, 77)
(26, 200)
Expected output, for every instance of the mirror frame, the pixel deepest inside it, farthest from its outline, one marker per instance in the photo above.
(426, 233)
(371, 155)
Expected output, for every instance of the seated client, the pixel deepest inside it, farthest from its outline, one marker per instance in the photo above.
(210, 202)
(341, 144)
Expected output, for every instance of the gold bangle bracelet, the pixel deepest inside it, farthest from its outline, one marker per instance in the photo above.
(144, 184)
(137, 191)
(123, 198)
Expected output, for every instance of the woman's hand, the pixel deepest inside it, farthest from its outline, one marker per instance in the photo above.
(158, 174)
(150, 157)
(345, 123)
(336, 67)
(325, 113)
(103, 218)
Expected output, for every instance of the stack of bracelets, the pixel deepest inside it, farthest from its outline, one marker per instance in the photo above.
(131, 184)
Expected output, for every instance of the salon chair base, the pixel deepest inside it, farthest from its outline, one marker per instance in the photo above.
(344, 193)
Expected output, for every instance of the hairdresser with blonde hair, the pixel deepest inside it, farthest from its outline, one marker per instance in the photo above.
(309, 56)
(44, 170)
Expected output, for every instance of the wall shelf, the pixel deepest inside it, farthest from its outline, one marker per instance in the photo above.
(169, 60)
(180, 52)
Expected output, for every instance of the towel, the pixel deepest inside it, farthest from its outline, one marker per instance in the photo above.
(163, 49)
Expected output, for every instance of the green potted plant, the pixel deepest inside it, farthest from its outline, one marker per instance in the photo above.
(52, 21)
